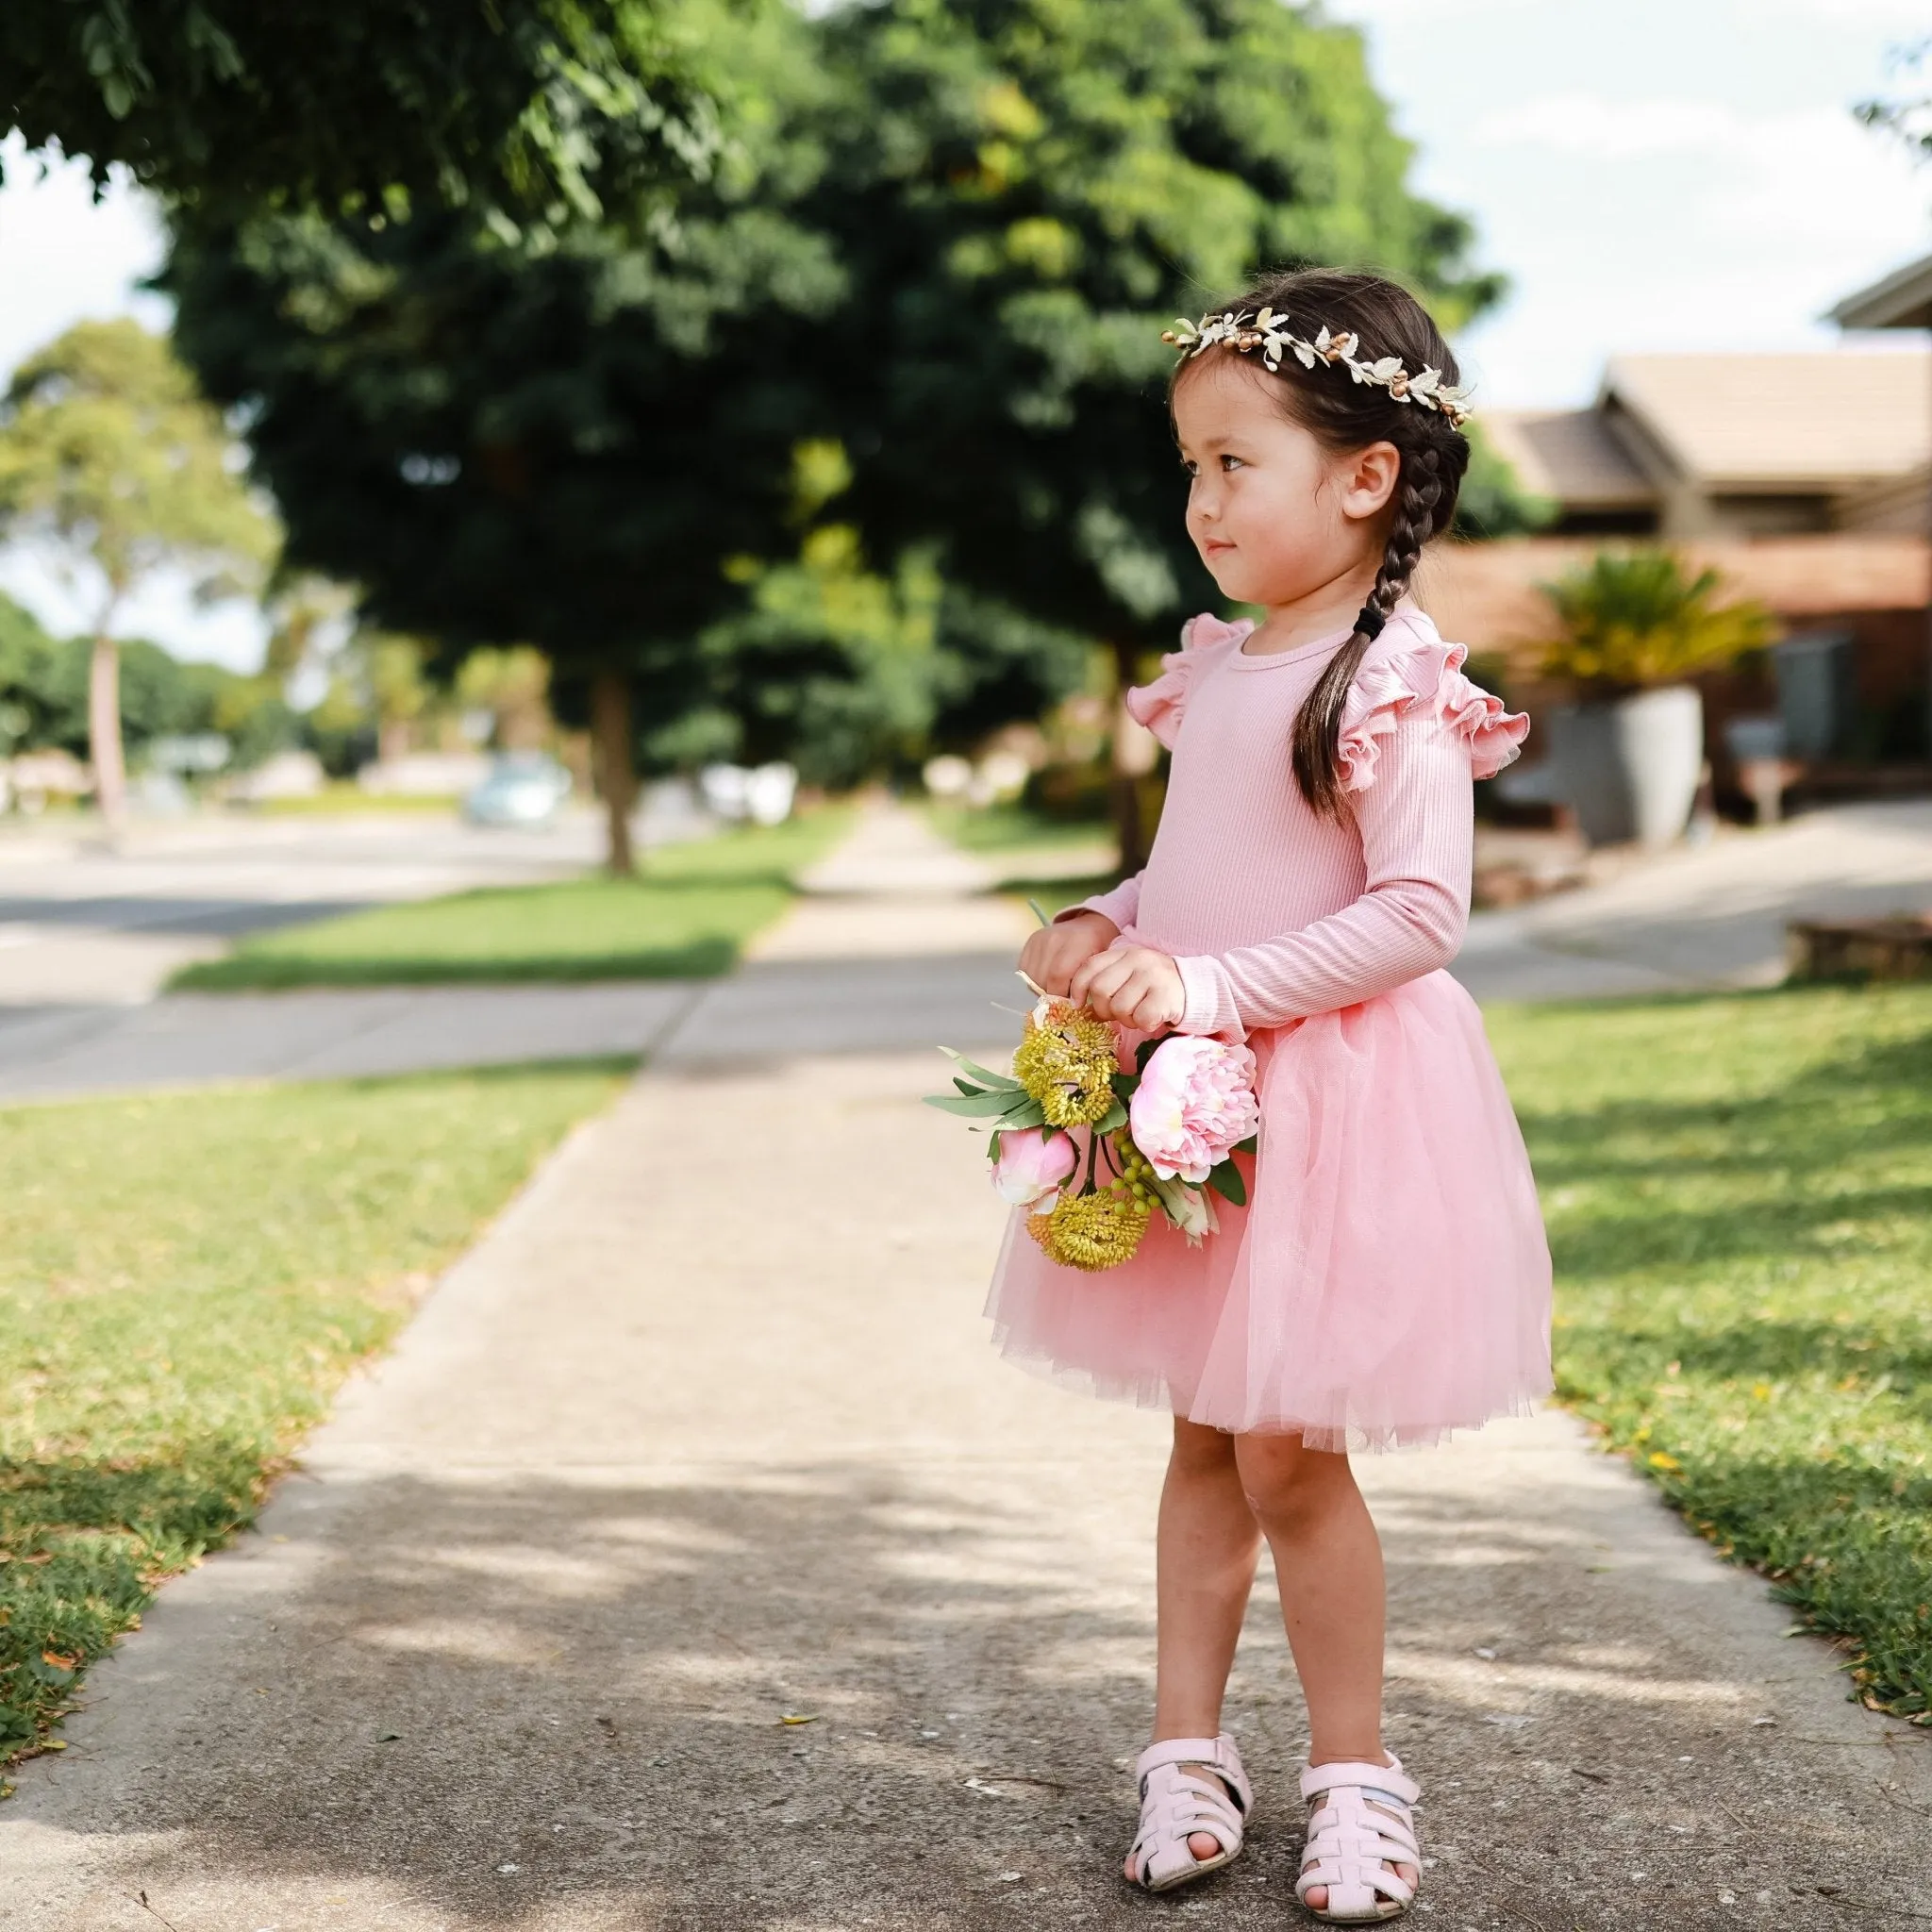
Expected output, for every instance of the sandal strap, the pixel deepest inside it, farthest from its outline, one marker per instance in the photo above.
(1220, 1755)
(1389, 1778)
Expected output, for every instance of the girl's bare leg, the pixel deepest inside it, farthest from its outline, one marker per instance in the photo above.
(1207, 1547)
(1328, 1566)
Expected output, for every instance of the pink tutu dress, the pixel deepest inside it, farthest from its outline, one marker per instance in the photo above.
(1389, 1280)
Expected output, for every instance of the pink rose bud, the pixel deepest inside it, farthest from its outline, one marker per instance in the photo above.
(1032, 1164)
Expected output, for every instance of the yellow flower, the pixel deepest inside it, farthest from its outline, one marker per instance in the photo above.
(1660, 1460)
(1067, 1061)
(1090, 1231)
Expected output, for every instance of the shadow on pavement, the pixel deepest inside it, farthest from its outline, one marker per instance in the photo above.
(568, 1710)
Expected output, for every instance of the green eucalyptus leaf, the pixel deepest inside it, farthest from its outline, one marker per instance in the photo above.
(982, 1075)
(972, 1105)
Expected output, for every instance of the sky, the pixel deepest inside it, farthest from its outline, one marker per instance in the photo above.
(1649, 175)
(1653, 175)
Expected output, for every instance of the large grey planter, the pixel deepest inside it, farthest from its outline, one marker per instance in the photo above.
(1629, 767)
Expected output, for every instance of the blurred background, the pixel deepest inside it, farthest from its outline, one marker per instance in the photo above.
(780, 394)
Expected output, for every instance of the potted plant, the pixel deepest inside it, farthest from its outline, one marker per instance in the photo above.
(1634, 627)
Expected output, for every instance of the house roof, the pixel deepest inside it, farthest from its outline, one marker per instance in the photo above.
(1491, 593)
(1569, 455)
(1822, 422)
(1902, 300)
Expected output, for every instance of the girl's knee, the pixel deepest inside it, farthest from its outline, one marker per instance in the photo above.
(1284, 1481)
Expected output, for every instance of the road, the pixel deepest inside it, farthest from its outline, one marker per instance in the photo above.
(897, 942)
(85, 923)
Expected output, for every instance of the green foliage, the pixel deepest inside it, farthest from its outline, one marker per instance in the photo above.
(993, 664)
(43, 685)
(684, 917)
(564, 444)
(829, 665)
(1737, 1192)
(1637, 619)
(30, 682)
(934, 258)
(539, 110)
(160, 1349)
(1024, 193)
(107, 450)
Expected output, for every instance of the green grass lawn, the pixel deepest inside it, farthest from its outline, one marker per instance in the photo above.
(1739, 1191)
(350, 801)
(184, 1280)
(685, 916)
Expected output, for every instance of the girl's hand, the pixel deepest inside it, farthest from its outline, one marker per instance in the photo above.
(1051, 954)
(1134, 986)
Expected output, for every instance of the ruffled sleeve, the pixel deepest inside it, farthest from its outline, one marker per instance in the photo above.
(1158, 706)
(1415, 732)
(1422, 676)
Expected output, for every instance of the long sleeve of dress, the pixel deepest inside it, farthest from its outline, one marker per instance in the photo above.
(1119, 903)
(1417, 835)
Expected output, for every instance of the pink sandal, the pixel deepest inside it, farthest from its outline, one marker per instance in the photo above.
(1189, 1785)
(1361, 1827)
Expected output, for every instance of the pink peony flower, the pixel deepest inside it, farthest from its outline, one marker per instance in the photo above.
(1195, 1100)
(1032, 1164)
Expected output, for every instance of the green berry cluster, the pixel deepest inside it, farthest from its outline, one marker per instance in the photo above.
(1133, 1188)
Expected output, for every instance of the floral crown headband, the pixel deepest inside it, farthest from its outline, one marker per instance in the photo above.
(1268, 333)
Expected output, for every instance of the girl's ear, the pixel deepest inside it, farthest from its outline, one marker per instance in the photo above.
(1368, 477)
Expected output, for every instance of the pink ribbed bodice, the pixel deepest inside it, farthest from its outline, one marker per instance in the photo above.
(1271, 911)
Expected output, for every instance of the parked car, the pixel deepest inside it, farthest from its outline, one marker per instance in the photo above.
(522, 788)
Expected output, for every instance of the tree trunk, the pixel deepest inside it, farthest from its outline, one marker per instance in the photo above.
(611, 763)
(104, 731)
(1135, 751)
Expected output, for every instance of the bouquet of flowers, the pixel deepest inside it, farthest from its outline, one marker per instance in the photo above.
(1092, 1149)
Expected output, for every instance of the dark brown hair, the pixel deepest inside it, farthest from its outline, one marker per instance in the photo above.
(1343, 414)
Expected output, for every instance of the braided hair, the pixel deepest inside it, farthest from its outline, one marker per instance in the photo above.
(1344, 415)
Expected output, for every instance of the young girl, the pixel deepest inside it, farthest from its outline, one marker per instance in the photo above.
(1390, 1280)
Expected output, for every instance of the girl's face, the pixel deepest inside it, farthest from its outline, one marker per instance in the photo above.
(1277, 517)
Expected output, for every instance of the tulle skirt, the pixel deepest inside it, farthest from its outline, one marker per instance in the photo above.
(1389, 1280)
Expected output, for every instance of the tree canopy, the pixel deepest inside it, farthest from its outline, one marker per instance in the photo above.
(109, 455)
(541, 109)
(565, 441)
(1023, 195)
(940, 240)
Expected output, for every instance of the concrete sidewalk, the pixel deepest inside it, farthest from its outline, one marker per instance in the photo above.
(666, 1462)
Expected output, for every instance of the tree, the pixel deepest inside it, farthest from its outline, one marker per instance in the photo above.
(539, 111)
(562, 442)
(44, 695)
(109, 455)
(1024, 192)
